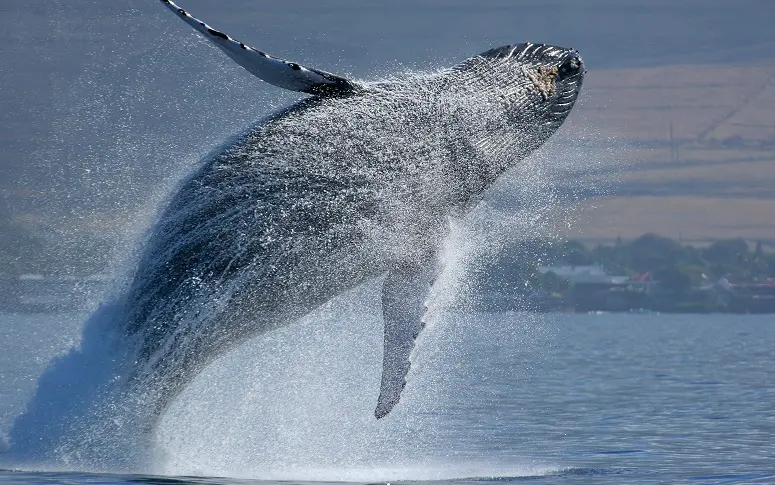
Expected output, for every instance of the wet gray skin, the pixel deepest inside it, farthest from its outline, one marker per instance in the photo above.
(336, 190)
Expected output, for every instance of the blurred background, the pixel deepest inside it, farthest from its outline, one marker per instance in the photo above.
(106, 105)
(656, 196)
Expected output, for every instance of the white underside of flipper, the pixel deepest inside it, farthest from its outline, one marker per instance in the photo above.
(279, 72)
(404, 294)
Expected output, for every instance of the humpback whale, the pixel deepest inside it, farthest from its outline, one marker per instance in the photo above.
(354, 182)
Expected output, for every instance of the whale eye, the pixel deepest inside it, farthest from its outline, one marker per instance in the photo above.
(571, 66)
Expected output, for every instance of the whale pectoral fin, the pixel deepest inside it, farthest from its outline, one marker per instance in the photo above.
(403, 308)
(282, 73)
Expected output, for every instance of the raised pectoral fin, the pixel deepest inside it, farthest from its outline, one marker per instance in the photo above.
(403, 307)
(282, 73)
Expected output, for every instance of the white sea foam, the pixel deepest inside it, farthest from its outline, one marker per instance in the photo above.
(297, 403)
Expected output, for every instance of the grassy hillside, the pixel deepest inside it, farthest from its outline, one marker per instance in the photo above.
(701, 162)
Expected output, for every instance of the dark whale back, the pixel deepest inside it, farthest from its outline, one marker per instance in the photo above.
(243, 233)
(328, 193)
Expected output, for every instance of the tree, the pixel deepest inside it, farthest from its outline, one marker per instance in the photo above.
(576, 253)
(727, 251)
(652, 251)
(673, 279)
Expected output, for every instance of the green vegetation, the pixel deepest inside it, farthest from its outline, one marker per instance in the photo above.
(681, 277)
(668, 260)
(685, 264)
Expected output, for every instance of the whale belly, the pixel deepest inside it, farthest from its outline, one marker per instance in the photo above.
(246, 245)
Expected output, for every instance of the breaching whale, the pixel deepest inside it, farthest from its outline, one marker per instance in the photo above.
(355, 182)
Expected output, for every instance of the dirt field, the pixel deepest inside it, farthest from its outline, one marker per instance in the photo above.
(701, 158)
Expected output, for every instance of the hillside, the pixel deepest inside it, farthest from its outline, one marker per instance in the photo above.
(701, 158)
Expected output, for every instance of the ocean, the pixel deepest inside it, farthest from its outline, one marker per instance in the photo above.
(492, 397)
(110, 104)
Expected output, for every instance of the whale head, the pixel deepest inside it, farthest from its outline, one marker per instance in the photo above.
(535, 83)
(506, 102)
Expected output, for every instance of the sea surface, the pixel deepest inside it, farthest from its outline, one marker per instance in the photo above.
(492, 398)
(105, 100)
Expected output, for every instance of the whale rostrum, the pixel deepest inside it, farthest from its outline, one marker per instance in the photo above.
(353, 183)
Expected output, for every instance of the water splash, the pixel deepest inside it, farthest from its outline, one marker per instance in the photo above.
(304, 394)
